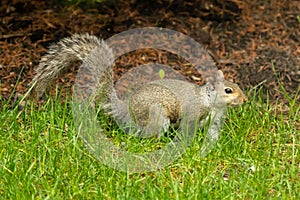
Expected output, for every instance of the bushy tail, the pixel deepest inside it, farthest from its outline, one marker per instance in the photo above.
(63, 54)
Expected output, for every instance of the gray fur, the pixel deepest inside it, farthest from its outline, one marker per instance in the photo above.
(150, 108)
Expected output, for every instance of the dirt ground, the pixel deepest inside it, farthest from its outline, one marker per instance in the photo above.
(244, 37)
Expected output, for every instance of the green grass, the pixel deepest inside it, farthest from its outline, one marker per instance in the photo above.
(41, 157)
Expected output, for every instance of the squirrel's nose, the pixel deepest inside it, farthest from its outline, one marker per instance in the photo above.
(245, 99)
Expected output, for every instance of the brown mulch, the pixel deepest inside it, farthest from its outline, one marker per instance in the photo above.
(247, 39)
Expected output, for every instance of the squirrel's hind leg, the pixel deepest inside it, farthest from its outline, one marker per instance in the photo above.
(158, 122)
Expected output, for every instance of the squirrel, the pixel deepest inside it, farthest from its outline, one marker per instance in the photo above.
(154, 106)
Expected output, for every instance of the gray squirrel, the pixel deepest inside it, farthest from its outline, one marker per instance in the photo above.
(154, 106)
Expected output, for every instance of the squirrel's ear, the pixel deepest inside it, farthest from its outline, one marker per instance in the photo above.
(216, 75)
(220, 75)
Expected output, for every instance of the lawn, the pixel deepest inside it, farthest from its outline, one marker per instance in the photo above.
(256, 157)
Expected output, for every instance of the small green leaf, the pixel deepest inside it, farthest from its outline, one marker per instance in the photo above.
(161, 73)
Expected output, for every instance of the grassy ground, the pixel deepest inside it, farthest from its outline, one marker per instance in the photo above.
(257, 157)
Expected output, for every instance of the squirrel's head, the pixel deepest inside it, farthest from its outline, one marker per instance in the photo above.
(227, 93)
(230, 94)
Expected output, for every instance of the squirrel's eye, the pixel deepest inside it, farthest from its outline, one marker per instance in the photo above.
(228, 90)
